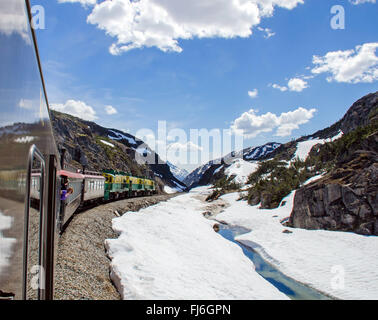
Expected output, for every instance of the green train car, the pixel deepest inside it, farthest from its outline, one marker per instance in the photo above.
(122, 185)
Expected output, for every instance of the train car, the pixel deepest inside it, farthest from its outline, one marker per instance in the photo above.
(29, 163)
(69, 206)
(117, 185)
(149, 186)
(137, 186)
(94, 187)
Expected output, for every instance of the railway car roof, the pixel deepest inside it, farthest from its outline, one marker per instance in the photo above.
(70, 174)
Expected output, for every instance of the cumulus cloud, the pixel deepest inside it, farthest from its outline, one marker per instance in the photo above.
(297, 84)
(356, 2)
(351, 66)
(278, 87)
(82, 2)
(250, 124)
(76, 108)
(253, 94)
(294, 84)
(110, 110)
(162, 23)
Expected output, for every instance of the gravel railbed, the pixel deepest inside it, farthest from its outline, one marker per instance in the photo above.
(82, 269)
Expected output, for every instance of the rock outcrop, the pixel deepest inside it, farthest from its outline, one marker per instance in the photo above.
(346, 199)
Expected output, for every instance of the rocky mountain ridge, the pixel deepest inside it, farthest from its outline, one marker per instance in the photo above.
(179, 173)
(99, 148)
(213, 170)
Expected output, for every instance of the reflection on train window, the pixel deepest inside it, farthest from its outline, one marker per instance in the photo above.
(33, 232)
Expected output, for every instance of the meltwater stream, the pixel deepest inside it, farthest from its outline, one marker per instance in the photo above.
(293, 289)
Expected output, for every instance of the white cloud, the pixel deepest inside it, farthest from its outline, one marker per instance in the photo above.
(162, 23)
(356, 2)
(268, 32)
(110, 110)
(82, 2)
(250, 124)
(278, 87)
(76, 108)
(351, 66)
(253, 94)
(297, 84)
(294, 84)
(13, 19)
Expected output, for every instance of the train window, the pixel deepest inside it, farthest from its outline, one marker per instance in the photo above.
(33, 272)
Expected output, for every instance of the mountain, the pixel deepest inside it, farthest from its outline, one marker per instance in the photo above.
(334, 172)
(214, 170)
(346, 197)
(179, 173)
(99, 148)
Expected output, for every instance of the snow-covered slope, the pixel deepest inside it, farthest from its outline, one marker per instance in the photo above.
(340, 264)
(179, 173)
(170, 251)
(241, 169)
(256, 153)
(304, 147)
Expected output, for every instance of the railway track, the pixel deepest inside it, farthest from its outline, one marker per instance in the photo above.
(82, 268)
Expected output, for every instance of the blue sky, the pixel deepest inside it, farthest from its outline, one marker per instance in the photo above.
(204, 82)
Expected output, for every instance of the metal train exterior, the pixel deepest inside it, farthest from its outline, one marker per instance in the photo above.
(93, 187)
(31, 172)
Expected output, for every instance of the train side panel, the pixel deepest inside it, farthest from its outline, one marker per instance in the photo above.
(26, 145)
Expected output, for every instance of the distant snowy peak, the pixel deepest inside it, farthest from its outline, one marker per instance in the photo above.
(205, 173)
(179, 173)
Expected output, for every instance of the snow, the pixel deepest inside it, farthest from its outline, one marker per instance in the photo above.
(341, 264)
(314, 178)
(241, 169)
(25, 139)
(170, 190)
(304, 147)
(5, 243)
(219, 169)
(177, 172)
(120, 136)
(170, 251)
(107, 143)
(143, 151)
(179, 186)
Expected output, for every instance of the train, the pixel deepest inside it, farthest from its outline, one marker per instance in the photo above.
(90, 187)
(33, 172)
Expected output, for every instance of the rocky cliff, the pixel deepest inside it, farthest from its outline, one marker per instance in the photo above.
(99, 148)
(346, 198)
